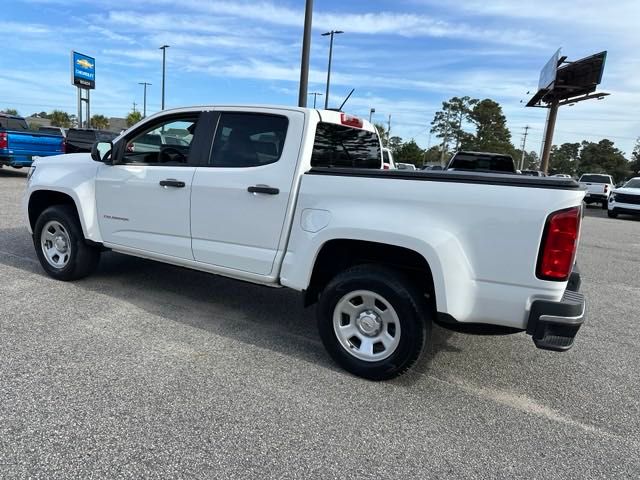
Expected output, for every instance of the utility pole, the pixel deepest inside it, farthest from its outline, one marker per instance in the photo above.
(144, 104)
(330, 34)
(445, 139)
(304, 61)
(315, 95)
(164, 69)
(524, 145)
(371, 112)
(134, 107)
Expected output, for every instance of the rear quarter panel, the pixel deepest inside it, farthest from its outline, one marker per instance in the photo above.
(481, 241)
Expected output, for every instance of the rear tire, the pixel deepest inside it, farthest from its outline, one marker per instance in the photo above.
(373, 321)
(605, 204)
(60, 244)
(612, 214)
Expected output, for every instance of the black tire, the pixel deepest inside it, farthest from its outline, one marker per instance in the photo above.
(605, 204)
(83, 258)
(612, 214)
(406, 300)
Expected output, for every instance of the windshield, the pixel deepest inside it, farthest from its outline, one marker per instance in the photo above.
(633, 183)
(595, 178)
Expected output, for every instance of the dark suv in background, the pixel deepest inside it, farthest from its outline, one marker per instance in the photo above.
(80, 140)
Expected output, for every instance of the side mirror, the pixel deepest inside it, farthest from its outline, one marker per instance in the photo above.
(100, 151)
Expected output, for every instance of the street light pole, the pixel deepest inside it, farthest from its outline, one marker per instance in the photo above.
(144, 101)
(371, 112)
(304, 62)
(330, 34)
(164, 69)
(315, 95)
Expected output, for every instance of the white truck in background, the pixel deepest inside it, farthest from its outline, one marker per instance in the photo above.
(598, 187)
(296, 198)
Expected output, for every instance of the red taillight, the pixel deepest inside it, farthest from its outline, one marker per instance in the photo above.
(385, 166)
(351, 121)
(4, 142)
(559, 244)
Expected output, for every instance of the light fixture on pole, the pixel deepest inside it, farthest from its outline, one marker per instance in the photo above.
(330, 34)
(144, 101)
(164, 69)
(315, 95)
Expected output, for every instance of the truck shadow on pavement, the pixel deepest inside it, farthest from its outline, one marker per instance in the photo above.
(265, 317)
(12, 172)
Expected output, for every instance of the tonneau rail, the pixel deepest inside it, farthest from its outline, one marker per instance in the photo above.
(509, 180)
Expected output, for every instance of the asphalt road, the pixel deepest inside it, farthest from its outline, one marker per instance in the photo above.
(147, 370)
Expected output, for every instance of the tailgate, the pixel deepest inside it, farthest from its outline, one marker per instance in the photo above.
(34, 144)
(595, 188)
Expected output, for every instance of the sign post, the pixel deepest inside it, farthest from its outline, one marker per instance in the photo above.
(83, 77)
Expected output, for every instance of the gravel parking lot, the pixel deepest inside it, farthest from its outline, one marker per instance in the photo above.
(148, 370)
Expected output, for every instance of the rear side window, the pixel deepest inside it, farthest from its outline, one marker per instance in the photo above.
(248, 139)
(595, 178)
(14, 123)
(494, 163)
(340, 146)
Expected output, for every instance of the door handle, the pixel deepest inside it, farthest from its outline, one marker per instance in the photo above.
(263, 189)
(171, 182)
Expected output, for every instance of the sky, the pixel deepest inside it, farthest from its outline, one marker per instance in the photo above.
(403, 57)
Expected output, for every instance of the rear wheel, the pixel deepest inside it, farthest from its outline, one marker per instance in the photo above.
(605, 204)
(612, 214)
(373, 322)
(60, 244)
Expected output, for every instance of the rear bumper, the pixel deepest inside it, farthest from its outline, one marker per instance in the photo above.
(554, 325)
(596, 197)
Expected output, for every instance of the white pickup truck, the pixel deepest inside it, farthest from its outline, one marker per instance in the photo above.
(297, 198)
(598, 187)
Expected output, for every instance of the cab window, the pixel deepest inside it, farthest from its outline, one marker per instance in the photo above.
(248, 139)
(164, 143)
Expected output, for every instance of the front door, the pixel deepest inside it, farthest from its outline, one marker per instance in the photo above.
(143, 199)
(239, 202)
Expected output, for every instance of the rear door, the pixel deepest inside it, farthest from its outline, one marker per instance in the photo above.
(240, 198)
(144, 198)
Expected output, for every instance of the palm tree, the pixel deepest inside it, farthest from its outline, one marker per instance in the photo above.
(100, 122)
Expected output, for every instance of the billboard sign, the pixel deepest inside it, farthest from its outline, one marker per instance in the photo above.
(548, 72)
(83, 70)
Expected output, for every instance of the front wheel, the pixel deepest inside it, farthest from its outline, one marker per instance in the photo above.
(373, 322)
(60, 244)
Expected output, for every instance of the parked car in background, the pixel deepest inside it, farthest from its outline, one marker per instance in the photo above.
(433, 167)
(533, 173)
(79, 140)
(384, 254)
(405, 166)
(482, 161)
(387, 159)
(625, 199)
(53, 131)
(599, 186)
(561, 175)
(19, 146)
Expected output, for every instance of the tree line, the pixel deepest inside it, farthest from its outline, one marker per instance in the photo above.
(60, 118)
(465, 123)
